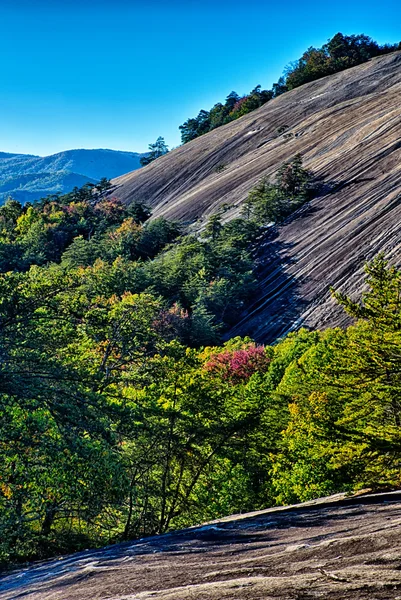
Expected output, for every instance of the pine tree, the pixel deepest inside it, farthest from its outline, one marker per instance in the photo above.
(159, 148)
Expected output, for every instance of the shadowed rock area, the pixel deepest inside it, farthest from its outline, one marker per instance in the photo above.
(348, 129)
(334, 548)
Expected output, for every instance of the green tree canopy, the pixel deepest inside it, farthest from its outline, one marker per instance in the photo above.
(159, 148)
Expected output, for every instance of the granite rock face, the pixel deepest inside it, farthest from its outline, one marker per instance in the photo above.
(348, 129)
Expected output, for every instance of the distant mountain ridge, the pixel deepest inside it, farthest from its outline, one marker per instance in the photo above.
(26, 177)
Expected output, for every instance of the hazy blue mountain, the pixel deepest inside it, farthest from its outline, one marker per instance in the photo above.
(26, 177)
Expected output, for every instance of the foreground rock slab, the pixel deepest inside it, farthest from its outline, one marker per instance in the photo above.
(336, 548)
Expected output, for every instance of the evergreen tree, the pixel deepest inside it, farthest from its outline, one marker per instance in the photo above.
(159, 148)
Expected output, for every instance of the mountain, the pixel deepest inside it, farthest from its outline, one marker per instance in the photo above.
(335, 548)
(347, 128)
(26, 177)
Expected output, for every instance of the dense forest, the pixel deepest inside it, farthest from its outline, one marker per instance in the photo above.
(122, 412)
(339, 53)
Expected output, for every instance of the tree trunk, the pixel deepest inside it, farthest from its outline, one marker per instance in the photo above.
(50, 513)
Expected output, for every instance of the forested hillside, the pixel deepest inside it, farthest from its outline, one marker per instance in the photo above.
(146, 383)
(124, 415)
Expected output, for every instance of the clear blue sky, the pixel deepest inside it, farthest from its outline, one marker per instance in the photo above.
(119, 73)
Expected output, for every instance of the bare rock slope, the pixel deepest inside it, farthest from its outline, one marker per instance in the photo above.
(334, 548)
(348, 128)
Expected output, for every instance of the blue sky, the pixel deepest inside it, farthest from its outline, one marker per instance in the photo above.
(119, 73)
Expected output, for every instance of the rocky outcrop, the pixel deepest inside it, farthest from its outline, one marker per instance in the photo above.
(348, 129)
(333, 548)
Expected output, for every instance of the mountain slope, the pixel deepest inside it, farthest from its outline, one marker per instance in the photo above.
(25, 177)
(347, 128)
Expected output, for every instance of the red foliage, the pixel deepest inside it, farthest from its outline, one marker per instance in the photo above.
(238, 365)
(238, 104)
(172, 322)
(110, 208)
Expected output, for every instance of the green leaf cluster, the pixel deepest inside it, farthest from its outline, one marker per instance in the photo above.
(273, 202)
